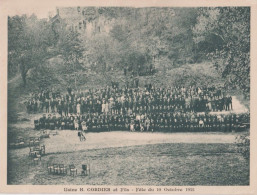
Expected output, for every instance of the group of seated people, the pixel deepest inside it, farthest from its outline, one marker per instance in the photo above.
(170, 122)
(126, 100)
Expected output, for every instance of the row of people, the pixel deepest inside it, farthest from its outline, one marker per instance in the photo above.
(143, 122)
(117, 100)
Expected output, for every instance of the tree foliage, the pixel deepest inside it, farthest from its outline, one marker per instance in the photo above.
(144, 37)
(28, 43)
(70, 49)
(139, 38)
(224, 33)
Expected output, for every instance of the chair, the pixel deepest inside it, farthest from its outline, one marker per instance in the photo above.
(21, 142)
(35, 160)
(50, 168)
(56, 168)
(73, 170)
(43, 149)
(36, 123)
(44, 134)
(85, 170)
(55, 133)
(38, 154)
(62, 169)
(36, 141)
(31, 152)
(31, 141)
(37, 148)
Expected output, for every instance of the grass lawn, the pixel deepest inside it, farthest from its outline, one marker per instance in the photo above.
(156, 164)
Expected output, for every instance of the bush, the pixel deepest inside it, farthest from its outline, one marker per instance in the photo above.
(243, 145)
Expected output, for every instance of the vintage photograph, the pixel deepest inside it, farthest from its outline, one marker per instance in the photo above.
(129, 96)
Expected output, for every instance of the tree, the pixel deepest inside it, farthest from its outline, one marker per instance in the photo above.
(163, 33)
(71, 50)
(28, 42)
(227, 30)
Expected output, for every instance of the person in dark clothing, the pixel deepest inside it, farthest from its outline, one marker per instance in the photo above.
(47, 105)
(230, 103)
(69, 90)
(60, 108)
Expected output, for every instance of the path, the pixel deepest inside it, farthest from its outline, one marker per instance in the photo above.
(68, 141)
(237, 106)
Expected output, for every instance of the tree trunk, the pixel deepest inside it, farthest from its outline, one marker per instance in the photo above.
(24, 75)
(23, 72)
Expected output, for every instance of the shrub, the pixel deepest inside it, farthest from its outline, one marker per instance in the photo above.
(243, 145)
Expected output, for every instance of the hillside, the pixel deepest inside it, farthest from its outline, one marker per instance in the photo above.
(188, 74)
(93, 46)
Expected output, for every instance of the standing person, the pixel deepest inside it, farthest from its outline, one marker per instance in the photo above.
(136, 82)
(142, 128)
(47, 105)
(63, 120)
(84, 125)
(209, 105)
(76, 124)
(132, 128)
(79, 135)
(147, 124)
(106, 107)
(70, 107)
(60, 108)
(111, 105)
(69, 90)
(78, 108)
(52, 104)
(82, 136)
(187, 103)
(230, 103)
(226, 103)
(74, 108)
(103, 106)
(65, 108)
(201, 124)
(35, 106)
(39, 105)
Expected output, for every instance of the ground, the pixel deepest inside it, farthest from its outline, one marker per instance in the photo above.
(132, 158)
(127, 158)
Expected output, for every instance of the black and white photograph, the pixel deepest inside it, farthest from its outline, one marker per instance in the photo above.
(128, 96)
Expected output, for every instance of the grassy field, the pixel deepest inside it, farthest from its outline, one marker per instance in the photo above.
(155, 164)
(132, 158)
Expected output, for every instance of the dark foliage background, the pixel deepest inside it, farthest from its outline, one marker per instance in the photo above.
(142, 39)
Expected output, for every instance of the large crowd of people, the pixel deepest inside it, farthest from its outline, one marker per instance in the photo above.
(136, 109)
(170, 122)
(130, 100)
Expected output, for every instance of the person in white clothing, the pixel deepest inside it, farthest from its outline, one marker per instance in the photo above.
(103, 107)
(78, 108)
